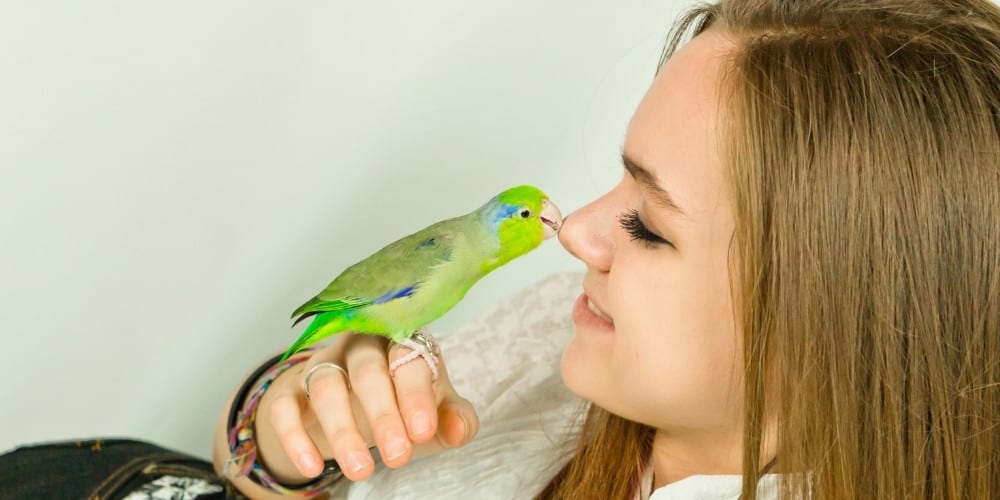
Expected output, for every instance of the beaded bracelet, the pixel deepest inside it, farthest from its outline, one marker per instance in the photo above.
(243, 447)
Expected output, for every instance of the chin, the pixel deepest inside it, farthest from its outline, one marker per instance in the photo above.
(577, 370)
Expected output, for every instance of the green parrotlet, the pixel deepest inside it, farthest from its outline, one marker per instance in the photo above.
(416, 279)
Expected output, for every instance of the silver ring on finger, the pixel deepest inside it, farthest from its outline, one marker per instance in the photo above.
(312, 371)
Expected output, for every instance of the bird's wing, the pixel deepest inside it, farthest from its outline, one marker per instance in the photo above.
(394, 272)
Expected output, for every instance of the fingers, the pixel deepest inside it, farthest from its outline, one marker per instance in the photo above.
(343, 416)
(454, 417)
(286, 419)
(416, 395)
(459, 422)
(330, 400)
(457, 425)
(369, 371)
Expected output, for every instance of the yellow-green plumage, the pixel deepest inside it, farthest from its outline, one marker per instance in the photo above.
(418, 278)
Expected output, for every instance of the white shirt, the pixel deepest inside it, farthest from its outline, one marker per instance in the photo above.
(709, 487)
(506, 363)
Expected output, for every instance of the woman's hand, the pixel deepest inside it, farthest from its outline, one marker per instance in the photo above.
(404, 416)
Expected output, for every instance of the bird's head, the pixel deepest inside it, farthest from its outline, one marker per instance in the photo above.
(521, 217)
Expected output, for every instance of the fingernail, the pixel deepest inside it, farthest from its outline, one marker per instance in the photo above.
(395, 447)
(465, 426)
(453, 411)
(307, 462)
(358, 460)
(420, 423)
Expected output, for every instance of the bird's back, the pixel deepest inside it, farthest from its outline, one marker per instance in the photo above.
(412, 281)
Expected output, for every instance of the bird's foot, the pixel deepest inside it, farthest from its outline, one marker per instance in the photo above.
(421, 345)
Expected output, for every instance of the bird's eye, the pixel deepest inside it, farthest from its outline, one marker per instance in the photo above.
(525, 213)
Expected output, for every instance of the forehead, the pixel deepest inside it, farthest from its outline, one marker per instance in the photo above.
(673, 132)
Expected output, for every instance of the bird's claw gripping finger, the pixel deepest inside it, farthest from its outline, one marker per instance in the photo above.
(421, 345)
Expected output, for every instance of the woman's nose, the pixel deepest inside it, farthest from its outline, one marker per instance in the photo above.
(587, 234)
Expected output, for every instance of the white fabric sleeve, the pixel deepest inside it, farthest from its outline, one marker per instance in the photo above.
(507, 364)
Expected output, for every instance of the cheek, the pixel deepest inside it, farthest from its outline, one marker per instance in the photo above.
(675, 356)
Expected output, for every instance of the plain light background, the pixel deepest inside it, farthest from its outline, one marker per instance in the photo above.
(178, 176)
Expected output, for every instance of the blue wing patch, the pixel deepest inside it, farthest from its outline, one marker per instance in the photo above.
(395, 294)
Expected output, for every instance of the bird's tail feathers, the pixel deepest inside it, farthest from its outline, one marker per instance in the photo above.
(304, 316)
(309, 336)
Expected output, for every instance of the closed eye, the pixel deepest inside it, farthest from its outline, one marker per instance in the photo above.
(637, 230)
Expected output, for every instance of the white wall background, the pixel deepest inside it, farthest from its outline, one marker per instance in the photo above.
(178, 176)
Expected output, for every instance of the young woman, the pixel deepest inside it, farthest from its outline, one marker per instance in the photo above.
(799, 274)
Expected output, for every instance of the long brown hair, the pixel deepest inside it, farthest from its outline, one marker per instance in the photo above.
(862, 144)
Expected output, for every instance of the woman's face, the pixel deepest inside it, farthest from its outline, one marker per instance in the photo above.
(662, 347)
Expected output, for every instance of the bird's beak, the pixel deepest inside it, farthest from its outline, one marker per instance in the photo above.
(551, 218)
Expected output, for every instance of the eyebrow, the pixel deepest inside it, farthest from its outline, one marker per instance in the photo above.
(648, 180)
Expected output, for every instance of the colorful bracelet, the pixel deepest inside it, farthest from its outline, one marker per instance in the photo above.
(243, 447)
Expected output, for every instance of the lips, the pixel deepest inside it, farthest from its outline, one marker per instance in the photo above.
(598, 312)
(588, 316)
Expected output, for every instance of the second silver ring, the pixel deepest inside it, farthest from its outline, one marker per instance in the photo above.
(312, 371)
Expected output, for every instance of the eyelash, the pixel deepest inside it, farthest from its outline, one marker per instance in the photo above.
(637, 230)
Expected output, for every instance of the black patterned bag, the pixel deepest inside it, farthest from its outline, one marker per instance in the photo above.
(112, 469)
